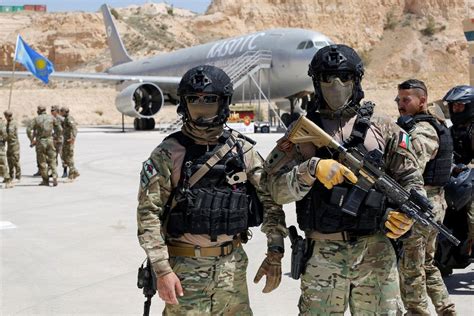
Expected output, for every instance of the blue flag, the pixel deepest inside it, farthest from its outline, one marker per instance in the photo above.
(38, 65)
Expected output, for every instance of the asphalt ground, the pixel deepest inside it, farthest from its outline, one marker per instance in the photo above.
(73, 250)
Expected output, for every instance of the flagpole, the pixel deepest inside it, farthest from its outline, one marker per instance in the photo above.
(13, 71)
(11, 85)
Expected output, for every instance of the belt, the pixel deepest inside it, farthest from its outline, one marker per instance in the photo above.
(341, 236)
(180, 250)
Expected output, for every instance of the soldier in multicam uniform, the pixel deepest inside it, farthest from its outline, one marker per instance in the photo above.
(58, 140)
(196, 204)
(350, 261)
(70, 134)
(433, 146)
(3, 157)
(41, 131)
(13, 149)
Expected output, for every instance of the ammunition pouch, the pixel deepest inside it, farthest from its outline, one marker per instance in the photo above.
(210, 211)
(321, 210)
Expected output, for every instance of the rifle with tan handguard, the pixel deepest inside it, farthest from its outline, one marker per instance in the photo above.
(368, 169)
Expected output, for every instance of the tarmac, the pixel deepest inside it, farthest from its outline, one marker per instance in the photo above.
(73, 250)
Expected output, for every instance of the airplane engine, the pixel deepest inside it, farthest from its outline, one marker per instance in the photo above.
(142, 101)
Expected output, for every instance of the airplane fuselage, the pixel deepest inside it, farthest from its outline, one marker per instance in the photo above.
(291, 51)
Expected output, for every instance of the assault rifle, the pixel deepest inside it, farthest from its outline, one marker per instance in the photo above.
(147, 282)
(368, 169)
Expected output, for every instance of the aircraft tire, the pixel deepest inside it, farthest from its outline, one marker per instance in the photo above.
(265, 129)
(136, 124)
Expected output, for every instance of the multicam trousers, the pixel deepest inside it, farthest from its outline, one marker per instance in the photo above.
(13, 157)
(361, 274)
(212, 285)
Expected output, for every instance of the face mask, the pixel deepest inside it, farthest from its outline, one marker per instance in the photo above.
(203, 114)
(336, 93)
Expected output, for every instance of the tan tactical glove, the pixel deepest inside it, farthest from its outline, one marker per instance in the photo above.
(330, 173)
(271, 267)
(397, 224)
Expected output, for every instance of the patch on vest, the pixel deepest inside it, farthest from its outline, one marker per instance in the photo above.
(404, 140)
(148, 172)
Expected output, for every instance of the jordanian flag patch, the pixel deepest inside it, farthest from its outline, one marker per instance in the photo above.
(404, 140)
(147, 173)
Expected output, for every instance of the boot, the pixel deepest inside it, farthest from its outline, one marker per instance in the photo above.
(8, 185)
(55, 182)
(37, 174)
(45, 182)
(64, 173)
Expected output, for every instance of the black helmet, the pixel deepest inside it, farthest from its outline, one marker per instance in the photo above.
(461, 94)
(208, 80)
(458, 192)
(339, 60)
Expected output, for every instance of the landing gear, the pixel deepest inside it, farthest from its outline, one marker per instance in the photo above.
(144, 124)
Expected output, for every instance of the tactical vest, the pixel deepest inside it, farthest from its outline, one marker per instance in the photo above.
(463, 143)
(321, 209)
(438, 170)
(219, 202)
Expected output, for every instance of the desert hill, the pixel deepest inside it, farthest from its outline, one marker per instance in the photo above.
(397, 39)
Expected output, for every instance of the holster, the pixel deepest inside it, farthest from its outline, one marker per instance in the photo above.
(301, 250)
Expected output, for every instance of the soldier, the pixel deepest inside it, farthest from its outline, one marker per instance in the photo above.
(3, 158)
(350, 260)
(41, 131)
(197, 197)
(13, 149)
(58, 142)
(433, 145)
(70, 133)
(458, 193)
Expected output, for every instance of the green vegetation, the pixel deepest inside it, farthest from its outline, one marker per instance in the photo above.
(390, 21)
(430, 28)
(115, 14)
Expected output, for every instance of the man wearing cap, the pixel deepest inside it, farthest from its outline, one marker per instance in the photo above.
(41, 131)
(58, 142)
(431, 141)
(70, 133)
(13, 148)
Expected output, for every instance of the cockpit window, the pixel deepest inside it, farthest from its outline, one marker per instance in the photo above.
(320, 44)
(309, 45)
(301, 45)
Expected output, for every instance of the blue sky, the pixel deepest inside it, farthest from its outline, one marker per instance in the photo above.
(198, 6)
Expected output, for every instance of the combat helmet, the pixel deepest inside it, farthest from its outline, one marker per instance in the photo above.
(461, 94)
(339, 61)
(205, 85)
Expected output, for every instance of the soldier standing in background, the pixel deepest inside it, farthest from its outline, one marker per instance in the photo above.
(58, 141)
(41, 131)
(3, 158)
(13, 149)
(433, 146)
(70, 133)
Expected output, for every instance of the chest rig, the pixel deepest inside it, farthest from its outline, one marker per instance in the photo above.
(213, 195)
(437, 170)
(321, 208)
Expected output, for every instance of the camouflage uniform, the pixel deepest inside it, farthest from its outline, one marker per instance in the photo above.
(58, 142)
(70, 134)
(3, 159)
(419, 277)
(212, 285)
(41, 130)
(361, 273)
(13, 150)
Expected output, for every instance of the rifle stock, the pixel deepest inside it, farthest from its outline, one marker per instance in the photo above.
(369, 171)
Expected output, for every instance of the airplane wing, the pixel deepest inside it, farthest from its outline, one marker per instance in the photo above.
(97, 77)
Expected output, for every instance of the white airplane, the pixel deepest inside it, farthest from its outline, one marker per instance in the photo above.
(147, 83)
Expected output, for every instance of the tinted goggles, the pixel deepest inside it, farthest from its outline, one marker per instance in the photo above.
(202, 99)
(343, 76)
